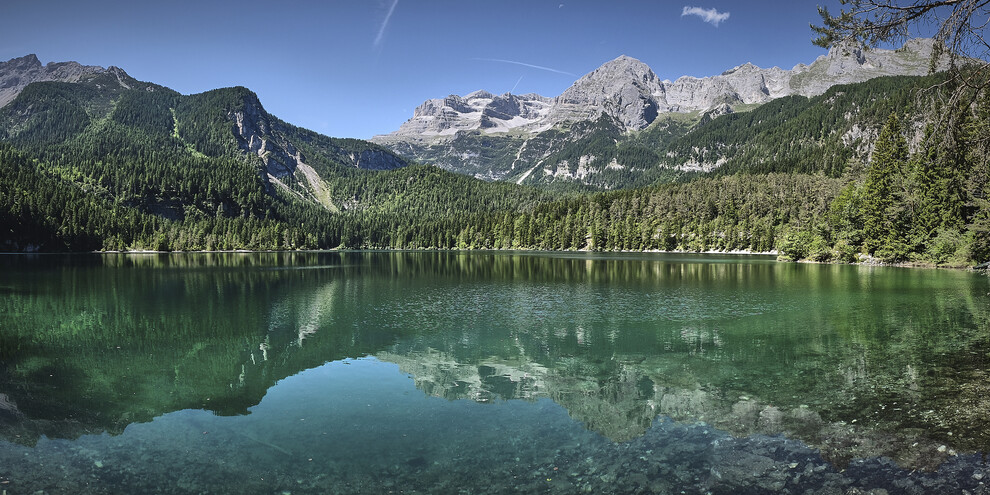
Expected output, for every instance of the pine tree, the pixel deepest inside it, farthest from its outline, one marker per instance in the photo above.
(889, 157)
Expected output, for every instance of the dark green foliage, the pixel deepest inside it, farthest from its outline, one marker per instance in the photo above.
(204, 120)
(675, 216)
(619, 161)
(846, 215)
(880, 220)
(46, 114)
(928, 208)
(797, 134)
(103, 169)
(147, 112)
(788, 135)
(979, 231)
(92, 169)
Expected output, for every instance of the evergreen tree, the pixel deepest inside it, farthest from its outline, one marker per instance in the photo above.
(888, 161)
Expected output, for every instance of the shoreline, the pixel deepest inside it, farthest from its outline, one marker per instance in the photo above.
(866, 262)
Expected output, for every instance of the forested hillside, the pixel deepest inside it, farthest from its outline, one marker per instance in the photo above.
(863, 171)
(95, 165)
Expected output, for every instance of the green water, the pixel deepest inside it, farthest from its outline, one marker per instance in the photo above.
(489, 373)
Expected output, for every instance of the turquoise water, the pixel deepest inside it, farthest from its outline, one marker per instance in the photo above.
(489, 373)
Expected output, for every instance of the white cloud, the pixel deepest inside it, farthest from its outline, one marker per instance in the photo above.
(381, 30)
(708, 15)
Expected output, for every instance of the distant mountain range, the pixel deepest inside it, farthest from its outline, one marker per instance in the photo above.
(631, 97)
(527, 139)
(758, 159)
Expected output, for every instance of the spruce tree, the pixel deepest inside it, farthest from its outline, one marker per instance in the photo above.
(888, 160)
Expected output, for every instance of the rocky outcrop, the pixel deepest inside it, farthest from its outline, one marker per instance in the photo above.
(478, 110)
(271, 140)
(277, 146)
(257, 134)
(625, 88)
(17, 73)
(375, 159)
(849, 63)
(629, 91)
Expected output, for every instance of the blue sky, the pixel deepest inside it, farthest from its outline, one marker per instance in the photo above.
(359, 68)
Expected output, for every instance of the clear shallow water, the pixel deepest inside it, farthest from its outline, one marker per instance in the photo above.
(488, 373)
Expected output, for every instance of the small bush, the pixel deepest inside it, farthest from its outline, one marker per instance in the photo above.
(844, 252)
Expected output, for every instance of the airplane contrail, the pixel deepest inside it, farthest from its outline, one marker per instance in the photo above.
(381, 30)
(515, 85)
(524, 64)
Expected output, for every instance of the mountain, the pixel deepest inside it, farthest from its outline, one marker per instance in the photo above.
(279, 146)
(450, 132)
(86, 112)
(257, 132)
(105, 162)
(96, 160)
(16, 74)
(478, 110)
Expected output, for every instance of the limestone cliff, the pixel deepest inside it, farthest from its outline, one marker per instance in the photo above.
(628, 90)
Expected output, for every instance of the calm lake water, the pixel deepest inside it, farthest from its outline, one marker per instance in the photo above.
(489, 373)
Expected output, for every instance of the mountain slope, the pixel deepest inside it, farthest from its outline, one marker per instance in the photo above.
(16, 74)
(97, 165)
(450, 132)
(63, 104)
(139, 166)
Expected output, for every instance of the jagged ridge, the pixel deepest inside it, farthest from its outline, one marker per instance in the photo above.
(629, 91)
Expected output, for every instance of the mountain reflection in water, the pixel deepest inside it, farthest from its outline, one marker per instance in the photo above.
(855, 362)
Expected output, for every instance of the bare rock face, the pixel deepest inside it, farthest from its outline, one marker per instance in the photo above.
(376, 159)
(625, 89)
(271, 140)
(257, 134)
(629, 91)
(848, 63)
(478, 110)
(17, 73)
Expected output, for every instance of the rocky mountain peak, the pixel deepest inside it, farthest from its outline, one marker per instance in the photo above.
(744, 68)
(26, 62)
(847, 49)
(479, 94)
(17, 73)
(627, 90)
(478, 110)
(618, 72)
(622, 63)
(623, 88)
(849, 62)
(259, 134)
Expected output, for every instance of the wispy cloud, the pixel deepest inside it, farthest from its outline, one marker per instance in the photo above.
(381, 30)
(524, 64)
(711, 16)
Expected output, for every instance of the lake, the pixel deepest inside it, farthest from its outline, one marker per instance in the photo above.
(440, 372)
